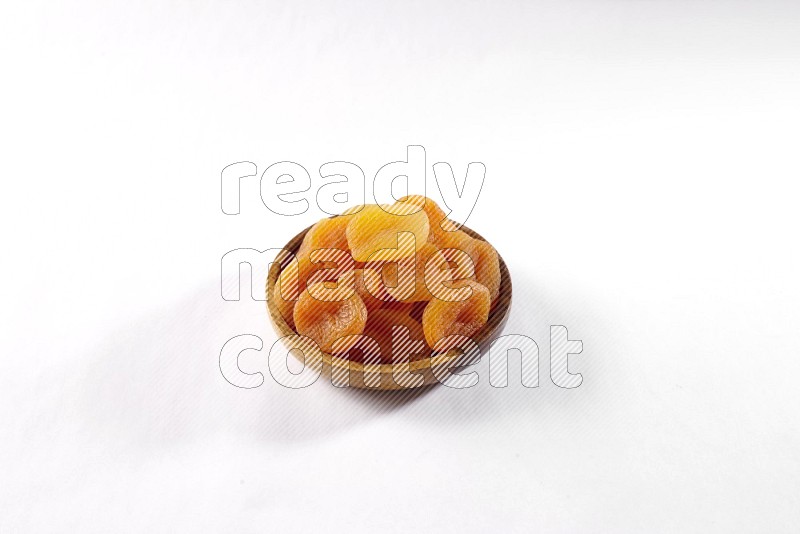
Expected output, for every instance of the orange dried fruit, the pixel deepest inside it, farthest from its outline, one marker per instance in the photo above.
(325, 234)
(402, 280)
(337, 287)
(487, 266)
(330, 264)
(408, 344)
(417, 278)
(374, 234)
(370, 301)
(443, 271)
(322, 256)
(326, 321)
(443, 233)
(443, 318)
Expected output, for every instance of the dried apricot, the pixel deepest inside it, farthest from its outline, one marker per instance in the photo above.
(427, 275)
(444, 270)
(325, 234)
(330, 264)
(327, 321)
(374, 234)
(487, 266)
(370, 301)
(409, 344)
(401, 280)
(333, 288)
(443, 318)
(443, 233)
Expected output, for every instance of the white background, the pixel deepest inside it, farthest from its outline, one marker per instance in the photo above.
(642, 161)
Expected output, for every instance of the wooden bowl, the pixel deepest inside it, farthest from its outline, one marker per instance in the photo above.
(381, 377)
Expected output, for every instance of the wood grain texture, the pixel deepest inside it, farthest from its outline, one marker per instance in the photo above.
(381, 377)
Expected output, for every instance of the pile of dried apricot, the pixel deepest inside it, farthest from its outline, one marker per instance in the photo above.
(388, 282)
